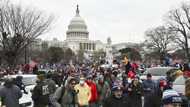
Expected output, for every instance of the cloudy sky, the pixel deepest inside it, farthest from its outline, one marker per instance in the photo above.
(122, 20)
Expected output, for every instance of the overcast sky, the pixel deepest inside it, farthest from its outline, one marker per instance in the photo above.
(122, 20)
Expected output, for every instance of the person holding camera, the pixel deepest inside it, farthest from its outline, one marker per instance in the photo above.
(66, 96)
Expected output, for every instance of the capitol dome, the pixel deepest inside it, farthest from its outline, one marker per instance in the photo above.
(77, 29)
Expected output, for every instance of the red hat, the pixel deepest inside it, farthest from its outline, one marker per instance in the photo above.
(163, 83)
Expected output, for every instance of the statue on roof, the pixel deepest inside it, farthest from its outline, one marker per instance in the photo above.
(77, 11)
(109, 42)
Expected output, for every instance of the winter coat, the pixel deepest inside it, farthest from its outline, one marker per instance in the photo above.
(135, 95)
(84, 94)
(131, 75)
(10, 96)
(58, 78)
(149, 87)
(157, 98)
(112, 101)
(52, 89)
(40, 94)
(19, 83)
(69, 97)
(51, 85)
(93, 89)
(103, 91)
(127, 67)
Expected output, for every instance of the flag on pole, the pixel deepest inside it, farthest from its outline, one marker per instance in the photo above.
(32, 63)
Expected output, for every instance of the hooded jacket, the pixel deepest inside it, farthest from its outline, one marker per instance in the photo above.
(93, 90)
(69, 98)
(112, 101)
(10, 95)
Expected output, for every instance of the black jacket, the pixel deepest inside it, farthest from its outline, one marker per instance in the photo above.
(135, 95)
(40, 94)
(115, 102)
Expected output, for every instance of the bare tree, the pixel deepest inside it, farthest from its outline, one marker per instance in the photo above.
(55, 54)
(80, 56)
(178, 20)
(158, 40)
(19, 27)
(69, 55)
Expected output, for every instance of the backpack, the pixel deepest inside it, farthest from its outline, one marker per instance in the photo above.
(62, 93)
(44, 93)
(62, 90)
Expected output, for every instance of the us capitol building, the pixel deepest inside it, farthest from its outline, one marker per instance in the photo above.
(77, 38)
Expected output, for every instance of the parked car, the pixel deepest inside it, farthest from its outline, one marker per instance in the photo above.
(29, 82)
(159, 72)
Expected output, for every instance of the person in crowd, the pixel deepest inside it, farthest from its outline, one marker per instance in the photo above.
(171, 98)
(58, 77)
(52, 88)
(161, 86)
(131, 74)
(26, 68)
(103, 89)
(178, 65)
(84, 69)
(127, 64)
(169, 78)
(93, 89)
(169, 85)
(66, 96)
(84, 93)
(117, 99)
(186, 70)
(20, 84)
(134, 67)
(40, 93)
(112, 78)
(35, 69)
(149, 87)
(125, 84)
(187, 90)
(10, 94)
(136, 92)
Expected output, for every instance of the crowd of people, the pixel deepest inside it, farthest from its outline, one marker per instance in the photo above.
(95, 86)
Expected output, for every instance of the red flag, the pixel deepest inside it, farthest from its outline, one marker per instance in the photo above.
(32, 63)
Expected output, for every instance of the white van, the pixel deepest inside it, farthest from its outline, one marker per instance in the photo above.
(29, 81)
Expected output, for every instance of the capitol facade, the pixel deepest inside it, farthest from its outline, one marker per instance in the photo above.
(77, 36)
